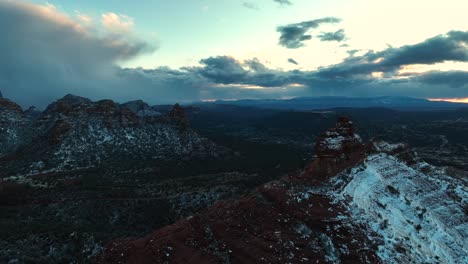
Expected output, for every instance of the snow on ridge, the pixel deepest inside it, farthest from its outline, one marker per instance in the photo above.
(383, 146)
(335, 141)
(420, 217)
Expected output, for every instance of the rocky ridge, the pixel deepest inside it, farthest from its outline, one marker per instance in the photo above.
(75, 132)
(355, 203)
(418, 211)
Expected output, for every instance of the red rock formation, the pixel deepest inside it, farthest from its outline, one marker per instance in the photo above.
(68, 105)
(178, 116)
(336, 149)
(9, 105)
(281, 222)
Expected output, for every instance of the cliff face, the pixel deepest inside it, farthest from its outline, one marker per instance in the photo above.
(355, 203)
(336, 149)
(13, 126)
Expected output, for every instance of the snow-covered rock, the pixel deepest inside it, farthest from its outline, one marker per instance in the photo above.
(420, 217)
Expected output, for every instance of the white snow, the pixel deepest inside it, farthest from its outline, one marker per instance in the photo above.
(411, 211)
(387, 147)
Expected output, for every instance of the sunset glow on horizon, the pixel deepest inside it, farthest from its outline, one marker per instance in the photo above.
(451, 100)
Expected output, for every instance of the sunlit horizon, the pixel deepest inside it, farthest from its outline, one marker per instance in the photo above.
(451, 100)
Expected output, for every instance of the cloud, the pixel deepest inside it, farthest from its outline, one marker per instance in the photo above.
(352, 52)
(292, 36)
(83, 18)
(250, 5)
(222, 69)
(353, 77)
(117, 23)
(453, 79)
(332, 36)
(283, 2)
(224, 77)
(293, 61)
(255, 65)
(229, 71)
(439, 49)
(46, 54)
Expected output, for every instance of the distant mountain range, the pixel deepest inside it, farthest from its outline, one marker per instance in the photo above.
(329, 102)
(401, 103)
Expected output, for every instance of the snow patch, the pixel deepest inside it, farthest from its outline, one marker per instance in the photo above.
(410, 210)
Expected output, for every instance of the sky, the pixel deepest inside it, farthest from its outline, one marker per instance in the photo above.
(165, 51)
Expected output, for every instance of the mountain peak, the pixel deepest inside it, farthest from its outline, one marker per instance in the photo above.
(136, 105)
(337, 139)
(141, 109)
(74, 99)
(67, 104)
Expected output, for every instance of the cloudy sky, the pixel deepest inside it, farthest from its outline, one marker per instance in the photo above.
(165, 51)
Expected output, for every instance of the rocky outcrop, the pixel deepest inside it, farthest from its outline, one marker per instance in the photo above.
(336, 149)
(77, 132)
(7, 105)
(179, 118)
(141, 109)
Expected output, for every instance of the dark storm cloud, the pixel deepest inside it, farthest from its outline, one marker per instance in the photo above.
(283, 2)
(449, 47)
(293, 61)
(227, 70)
(332, 36)
(250, 5)
(45, 54)
(292, 36)
(454, 79)
(222, 69)
(442, 48)
(256, 66)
